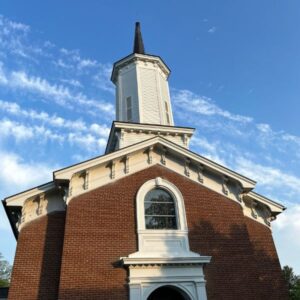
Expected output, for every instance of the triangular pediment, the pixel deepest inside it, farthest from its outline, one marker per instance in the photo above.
(86, 176)
(163, 145)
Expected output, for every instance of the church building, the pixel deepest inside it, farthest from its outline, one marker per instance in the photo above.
(149, 219)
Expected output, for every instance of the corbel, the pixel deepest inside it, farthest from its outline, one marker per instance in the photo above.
(86, 179)
(187, 162)
(267, 215)
(200, 173)
(240, 192)
(113, 169)
(185, 139)
(126, 164)
(163, 155)
(85, 176)
(225, 185)
(40, 204)
(150, 155)
(253, 205)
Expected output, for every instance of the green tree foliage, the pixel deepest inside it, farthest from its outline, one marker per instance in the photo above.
(5, 272)
(293, 282)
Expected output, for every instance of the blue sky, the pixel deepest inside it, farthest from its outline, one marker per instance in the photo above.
(235, 77)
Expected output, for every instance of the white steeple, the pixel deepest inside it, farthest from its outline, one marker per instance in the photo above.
(143, 105)
(142, 89)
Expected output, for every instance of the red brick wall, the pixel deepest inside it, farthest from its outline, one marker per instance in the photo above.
(265, 255)
(101, 227)
(38, 258)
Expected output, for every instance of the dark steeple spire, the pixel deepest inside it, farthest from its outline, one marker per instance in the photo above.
(138, 46)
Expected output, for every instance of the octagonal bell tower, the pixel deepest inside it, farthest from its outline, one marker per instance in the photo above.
(142, 89)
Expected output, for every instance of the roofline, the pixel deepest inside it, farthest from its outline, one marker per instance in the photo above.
(264, 199)
(211, 164)
(14, 229)
(148, 54)
(30, 191)
(214, 163)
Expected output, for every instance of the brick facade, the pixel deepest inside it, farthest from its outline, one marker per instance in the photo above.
(38, 259)
(100, 228)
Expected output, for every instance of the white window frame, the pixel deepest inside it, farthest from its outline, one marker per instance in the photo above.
(178, 202)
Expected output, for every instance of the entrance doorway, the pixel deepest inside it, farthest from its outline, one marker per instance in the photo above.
(168, 293)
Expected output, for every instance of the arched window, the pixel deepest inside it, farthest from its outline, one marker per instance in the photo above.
(160, 210)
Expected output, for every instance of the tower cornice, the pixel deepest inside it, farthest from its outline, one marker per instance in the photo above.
(134, 57)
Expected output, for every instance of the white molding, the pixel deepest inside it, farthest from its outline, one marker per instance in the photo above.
(138, 57)
(18, 199)
(165, 260)
(153, 127)
(66, 173)
(144, 279)
(274, 206)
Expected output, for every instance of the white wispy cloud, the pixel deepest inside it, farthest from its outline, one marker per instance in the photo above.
(91, 137)
(3, 79)
(209, 149)
(16, 130)
(187, 100)
(21, 132)
(36, 84)
(89, 142)
(102, 78)
(212, 29)
(13, 39)
(53, 120)
(8, 25)
(72, 59)
(61, 94)
(86, 63)
(72, 82)
(269, 177)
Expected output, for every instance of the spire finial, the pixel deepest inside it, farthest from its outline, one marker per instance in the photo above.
(138, 46)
